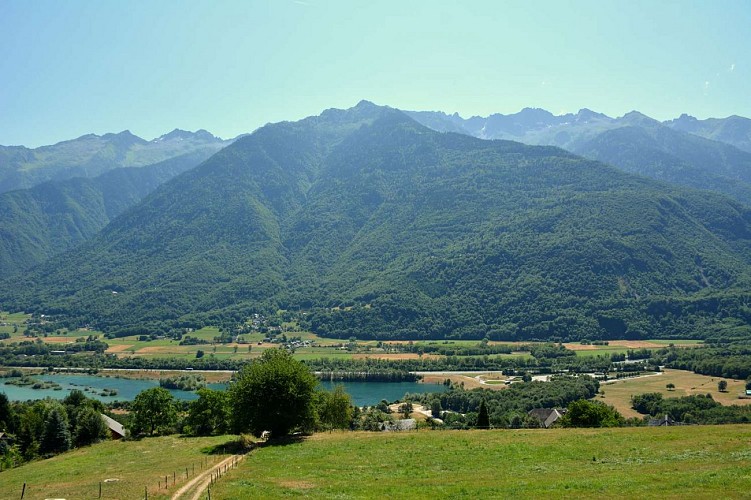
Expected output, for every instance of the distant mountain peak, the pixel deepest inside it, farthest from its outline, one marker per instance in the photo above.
(586, 114)
(364, 103)
(181, 135)
(637, 118)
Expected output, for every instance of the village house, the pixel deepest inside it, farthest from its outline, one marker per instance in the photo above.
(117, 431)
(547, 416)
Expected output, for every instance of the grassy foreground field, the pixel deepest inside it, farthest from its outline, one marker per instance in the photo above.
(125, 469)
(667, 462)
(675, 462)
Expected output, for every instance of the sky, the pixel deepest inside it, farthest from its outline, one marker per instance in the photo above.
(72, 67)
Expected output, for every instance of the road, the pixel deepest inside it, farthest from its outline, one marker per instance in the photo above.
(198, 484)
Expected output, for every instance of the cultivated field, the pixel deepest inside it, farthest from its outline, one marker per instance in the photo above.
(677, 462)
(618, 393)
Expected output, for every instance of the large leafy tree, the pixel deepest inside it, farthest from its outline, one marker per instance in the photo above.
(209, 414)
(334, 409)
(274, 393)
(154, 410)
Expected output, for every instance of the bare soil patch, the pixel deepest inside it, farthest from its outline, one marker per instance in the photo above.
(58, 340)
(394, 355)
(469, 382)
(297, 485)
(118, 348)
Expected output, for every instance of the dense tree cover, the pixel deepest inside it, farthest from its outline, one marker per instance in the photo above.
(47, 427)
(378, 228)
(50, 218)
(695, 409)
(729, 361)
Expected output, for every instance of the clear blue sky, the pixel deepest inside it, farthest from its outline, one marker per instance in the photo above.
(72, 67)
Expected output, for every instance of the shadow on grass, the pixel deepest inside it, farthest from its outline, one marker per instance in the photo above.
(241, 445)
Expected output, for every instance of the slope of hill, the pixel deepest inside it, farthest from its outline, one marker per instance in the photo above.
(92, 155)
(382, 228)
(52, 217)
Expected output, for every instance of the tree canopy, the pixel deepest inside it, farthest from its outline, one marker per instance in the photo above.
(274, 393)
(153, 411)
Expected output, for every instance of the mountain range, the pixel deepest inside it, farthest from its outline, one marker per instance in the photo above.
(376, 226)
(92, 155)
(710, 154)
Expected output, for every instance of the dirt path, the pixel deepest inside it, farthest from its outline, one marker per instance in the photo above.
(203, 480)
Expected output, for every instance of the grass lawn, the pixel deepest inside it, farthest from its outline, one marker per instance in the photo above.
(676, 462)
(134, 464)
(618, 394)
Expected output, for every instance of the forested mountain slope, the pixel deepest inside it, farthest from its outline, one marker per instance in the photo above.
(379, 227)
(54, 216)
(92, 155)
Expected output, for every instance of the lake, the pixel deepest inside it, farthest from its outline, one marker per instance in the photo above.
(363, 393)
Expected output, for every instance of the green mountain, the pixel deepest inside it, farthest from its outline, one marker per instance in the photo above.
(92, 155)
(378, 227)
(679, 151)
(54, 216)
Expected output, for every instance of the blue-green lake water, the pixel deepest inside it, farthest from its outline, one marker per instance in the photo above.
(363, 393)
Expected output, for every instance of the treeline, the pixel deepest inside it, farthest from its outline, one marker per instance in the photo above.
(11, 356)
(48, 427)
(694, 409)
(507, 408)
(382, 375)
(729, 361)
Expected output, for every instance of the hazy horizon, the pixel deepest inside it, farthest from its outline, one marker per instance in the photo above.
(79, 67)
